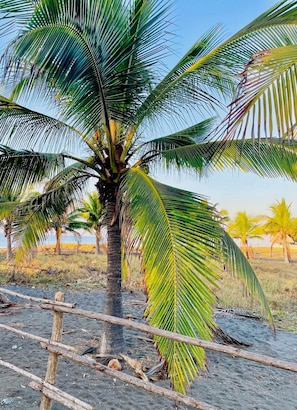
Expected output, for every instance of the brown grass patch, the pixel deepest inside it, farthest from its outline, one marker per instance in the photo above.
(79, 268)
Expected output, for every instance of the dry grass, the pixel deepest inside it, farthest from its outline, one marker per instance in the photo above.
(279, 282)
(76, 268)
(81, 269)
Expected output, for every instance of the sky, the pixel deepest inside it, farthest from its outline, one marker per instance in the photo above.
(230, 190)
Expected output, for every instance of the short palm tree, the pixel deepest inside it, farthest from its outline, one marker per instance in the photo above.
(39, 218)
(117, 116)
(7, 207)
(91, 211)
(281, 226)
(65, 222)
(245, 227)
(9, 202)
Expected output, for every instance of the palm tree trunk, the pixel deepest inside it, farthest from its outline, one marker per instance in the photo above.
(286, 250)
(112, 341)
(244, 245)
(97, 235)
(58, 241)
(7, 230)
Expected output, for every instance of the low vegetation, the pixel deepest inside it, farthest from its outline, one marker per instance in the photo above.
(77, 269)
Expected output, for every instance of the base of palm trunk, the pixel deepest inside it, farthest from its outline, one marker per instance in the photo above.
(112, 341)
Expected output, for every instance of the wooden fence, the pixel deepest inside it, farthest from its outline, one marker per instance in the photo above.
(56, 348)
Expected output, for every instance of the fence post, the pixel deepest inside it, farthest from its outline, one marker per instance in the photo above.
(52, 363)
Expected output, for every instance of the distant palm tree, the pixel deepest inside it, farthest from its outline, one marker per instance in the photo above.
(35, 218)
(7, 207)
(9, 201)
(281, 226)
(244, 228)
(65, 222)
(93, 212)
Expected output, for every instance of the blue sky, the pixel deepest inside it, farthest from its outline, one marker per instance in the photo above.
(231, 190)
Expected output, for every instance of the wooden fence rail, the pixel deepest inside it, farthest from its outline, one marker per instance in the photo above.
(56, 348)
(232, 351)
(48, 389)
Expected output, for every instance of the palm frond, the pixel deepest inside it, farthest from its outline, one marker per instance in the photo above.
(181, 89)
(21, 126)
(178, 235)
(34, 217)
(266, 99)
(13, 15)
(192, 135)
(266, 159)
(6, 208)
(18, 169)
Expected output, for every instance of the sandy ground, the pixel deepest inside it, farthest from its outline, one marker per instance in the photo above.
(230, 383)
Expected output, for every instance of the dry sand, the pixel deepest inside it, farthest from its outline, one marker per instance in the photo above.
(230, 384)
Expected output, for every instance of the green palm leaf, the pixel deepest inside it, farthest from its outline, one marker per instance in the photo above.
(34, 129)
(66, 39)
(267, 96)
(34, 217)
(178, 234)
(262, 158)
(191, 135)
(21, 168)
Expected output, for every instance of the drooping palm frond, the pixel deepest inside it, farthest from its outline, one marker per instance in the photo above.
(18, 169)
(266, 159)
(266, 100)
(237, 263)
(34, 217)
(178, 235)
(271, 160)
(22, 127)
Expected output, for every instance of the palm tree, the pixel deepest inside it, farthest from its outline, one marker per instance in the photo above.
(92, 211)
(61, 216)
(7, 206)
(114, 116)
(65, 222)
(245, 228)
(281, 226)
(9, 201)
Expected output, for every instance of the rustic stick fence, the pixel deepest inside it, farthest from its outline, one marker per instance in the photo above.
(56, 348)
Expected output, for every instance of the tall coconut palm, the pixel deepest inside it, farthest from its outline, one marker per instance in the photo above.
(117, 116)
(245, 227)
(281, 226)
